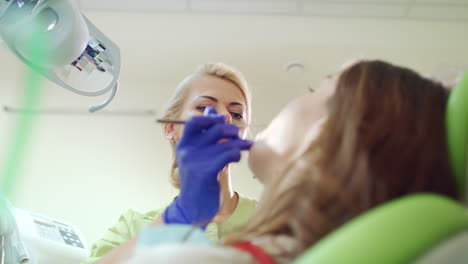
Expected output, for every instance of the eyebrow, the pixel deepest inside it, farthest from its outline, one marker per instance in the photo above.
(216, 100)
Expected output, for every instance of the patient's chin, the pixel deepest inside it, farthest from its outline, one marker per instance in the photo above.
(262, 161)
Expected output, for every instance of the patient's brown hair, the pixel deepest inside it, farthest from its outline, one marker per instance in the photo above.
(384, 138)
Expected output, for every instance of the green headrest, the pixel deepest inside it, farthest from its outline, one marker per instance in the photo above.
(397, 232)
(457, 132)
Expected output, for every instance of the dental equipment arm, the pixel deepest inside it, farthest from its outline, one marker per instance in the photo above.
(79, 57)
(13, 249)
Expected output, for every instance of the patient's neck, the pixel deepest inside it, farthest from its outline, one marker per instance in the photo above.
(229, 198)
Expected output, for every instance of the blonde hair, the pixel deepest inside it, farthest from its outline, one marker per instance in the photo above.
(175, 103)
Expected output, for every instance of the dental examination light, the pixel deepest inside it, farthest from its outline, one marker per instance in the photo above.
(83, 60)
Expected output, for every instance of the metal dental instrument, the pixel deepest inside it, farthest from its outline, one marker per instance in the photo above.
(170, 121)
(181, 122)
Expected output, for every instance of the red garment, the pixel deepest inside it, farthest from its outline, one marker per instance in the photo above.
(257, 252)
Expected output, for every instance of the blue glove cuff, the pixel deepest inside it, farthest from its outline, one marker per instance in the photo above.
(174, 214)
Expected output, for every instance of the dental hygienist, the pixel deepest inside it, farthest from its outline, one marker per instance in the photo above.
(226, 92)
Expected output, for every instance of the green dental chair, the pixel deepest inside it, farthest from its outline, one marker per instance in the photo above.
(421, 228)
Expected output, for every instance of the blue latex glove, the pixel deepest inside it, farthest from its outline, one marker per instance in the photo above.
(200, 157)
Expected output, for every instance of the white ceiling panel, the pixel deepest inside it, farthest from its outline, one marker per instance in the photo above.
(463, 2)
(439, 12)
(398, 9)
(135, 5)
(246, 6)
(359, 1)
(354, 10)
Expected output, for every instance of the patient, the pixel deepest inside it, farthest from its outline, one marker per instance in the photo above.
(372, 134)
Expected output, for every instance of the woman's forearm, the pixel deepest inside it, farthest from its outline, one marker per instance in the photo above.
(119, 253)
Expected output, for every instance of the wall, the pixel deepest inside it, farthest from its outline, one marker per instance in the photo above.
(88, 169)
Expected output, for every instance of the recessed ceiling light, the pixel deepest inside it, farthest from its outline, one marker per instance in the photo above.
(295, 66)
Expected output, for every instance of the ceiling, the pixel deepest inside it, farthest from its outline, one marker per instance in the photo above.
(159, 48)
(397, 9)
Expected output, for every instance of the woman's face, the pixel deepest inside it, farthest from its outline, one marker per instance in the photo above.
(223, 95)
(290, 132)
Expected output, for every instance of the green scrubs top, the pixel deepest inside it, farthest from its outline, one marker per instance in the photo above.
(131, 222)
